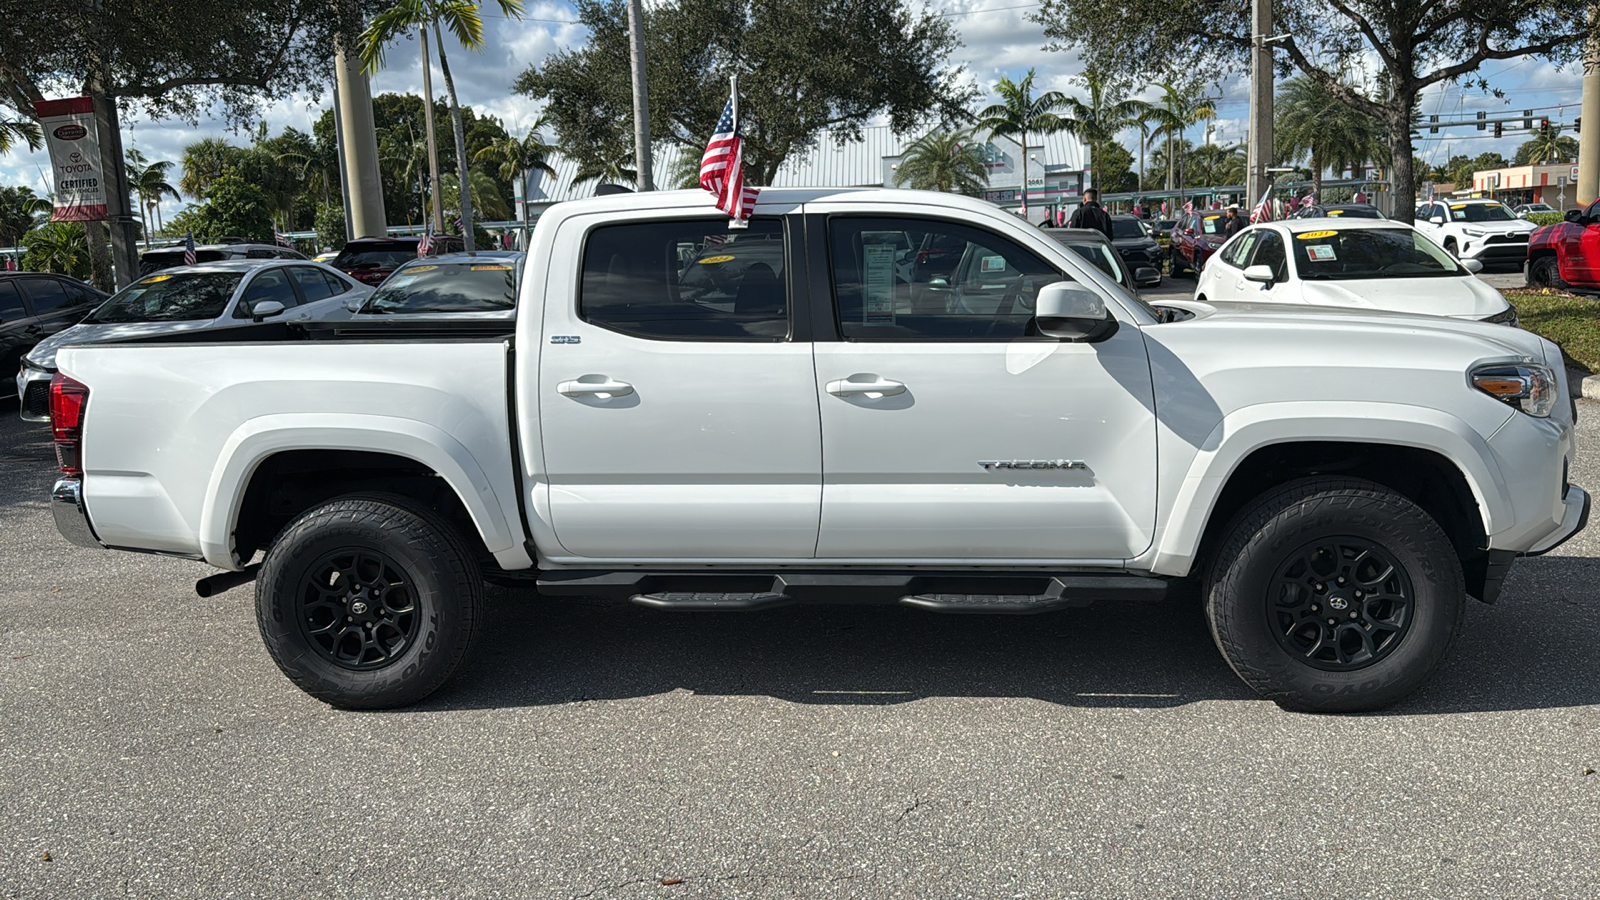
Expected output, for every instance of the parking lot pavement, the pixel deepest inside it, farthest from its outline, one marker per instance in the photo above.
(149, 747)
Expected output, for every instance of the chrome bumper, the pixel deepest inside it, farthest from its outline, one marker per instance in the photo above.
(72, 519)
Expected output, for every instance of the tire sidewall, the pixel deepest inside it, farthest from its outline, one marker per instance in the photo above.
(284, 571)
(1437, 605)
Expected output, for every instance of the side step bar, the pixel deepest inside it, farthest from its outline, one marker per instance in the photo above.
(953, 592)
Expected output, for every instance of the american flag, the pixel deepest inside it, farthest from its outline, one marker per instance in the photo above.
(188, 249)
(282, 239)
(1188, 206)
(1263, 209)
(425, 245)
(459, 226)
(722, 169)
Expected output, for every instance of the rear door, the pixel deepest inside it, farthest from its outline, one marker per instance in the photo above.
(678, 403)
(18, 330)
(951, 431)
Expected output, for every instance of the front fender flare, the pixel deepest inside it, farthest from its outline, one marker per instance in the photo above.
(1246, 430)
(259, 438)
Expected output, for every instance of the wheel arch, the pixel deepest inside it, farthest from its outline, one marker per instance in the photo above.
(273, 468)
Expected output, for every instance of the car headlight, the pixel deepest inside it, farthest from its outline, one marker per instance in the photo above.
(1509, 317)
(1527, 386)
(1474, 232)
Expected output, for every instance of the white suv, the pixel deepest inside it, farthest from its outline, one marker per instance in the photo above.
(1484, 230)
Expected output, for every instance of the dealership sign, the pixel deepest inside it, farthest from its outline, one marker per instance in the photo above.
(80, 192)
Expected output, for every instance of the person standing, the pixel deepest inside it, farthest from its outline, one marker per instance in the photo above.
(1091, 214)
(1235, 223)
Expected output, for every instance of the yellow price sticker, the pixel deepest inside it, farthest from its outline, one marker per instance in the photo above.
(710, 260)
(422, 268)
(1313, 235)
(155, 278)
(1458, 206)
(491, 268)
(1335, 212)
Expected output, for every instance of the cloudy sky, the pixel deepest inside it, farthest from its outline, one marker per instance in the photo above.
(998, 40)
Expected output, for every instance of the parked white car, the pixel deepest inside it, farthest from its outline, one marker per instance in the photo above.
(1360, 263)
(205, 296)
(1484, 230)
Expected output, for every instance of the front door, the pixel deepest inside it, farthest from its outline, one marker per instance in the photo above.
(952, 434)
(1580, 251)
(679, 416)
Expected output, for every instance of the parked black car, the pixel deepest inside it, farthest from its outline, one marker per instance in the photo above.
(171, 257)
(1092, 245)
(1136, 247)
(35, 305)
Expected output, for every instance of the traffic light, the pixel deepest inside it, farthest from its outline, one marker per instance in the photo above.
(1498, 132)
(1527, 120)
(1481, 117)
(1433, 126)
(1544, 128)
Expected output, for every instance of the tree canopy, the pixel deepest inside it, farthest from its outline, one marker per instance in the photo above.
(803, 66)
(1415, 44)
(949, 161)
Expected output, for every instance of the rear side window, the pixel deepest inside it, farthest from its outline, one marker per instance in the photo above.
(47, 294)
(687, 280)
(313, 285)
(10, 302)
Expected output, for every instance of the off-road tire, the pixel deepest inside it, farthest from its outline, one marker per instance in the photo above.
(1267, 534)
(438, 566)
(1177, 263)
(1545, 272)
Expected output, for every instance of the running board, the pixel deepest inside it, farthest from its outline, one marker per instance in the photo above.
(953, 592)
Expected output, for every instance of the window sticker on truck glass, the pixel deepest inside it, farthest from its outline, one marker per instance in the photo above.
(877, 261)
(491, 268)
(1321, 252)
(713, 260)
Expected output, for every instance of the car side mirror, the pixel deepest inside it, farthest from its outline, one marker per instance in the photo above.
(354, 304)
(1072, 312)
(265, 309)
(1147, 276)
(1437, 220)
(1523, 214)
(1472, 265)
(1573, 215)
(1260, 274)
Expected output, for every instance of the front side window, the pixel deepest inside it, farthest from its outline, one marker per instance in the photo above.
(47, 294)
(273, 284)
(1239, 250)
(1270, 253)
(915, 279)
(10, 302)
(687, 280)
(169, 298)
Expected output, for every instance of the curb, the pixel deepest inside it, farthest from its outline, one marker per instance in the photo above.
(1585, 386)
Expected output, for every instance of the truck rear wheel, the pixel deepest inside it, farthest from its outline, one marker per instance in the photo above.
(1335, 595)
(369, 601)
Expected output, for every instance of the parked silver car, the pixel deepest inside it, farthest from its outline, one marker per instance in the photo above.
(194, 298)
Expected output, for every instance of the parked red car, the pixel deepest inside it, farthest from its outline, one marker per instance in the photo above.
(1567, 254)
(1195, 238)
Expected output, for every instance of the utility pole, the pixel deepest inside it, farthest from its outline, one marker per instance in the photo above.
(359, 137)
(1589, 141)
(1260, 150)
(641, 97)
(427, 115)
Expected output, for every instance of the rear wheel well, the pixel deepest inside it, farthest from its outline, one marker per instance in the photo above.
(287, 484)
(1426, 478)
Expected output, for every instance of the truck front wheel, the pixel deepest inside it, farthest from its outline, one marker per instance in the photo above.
(369, 601)
(1546, 272)
(1335, 595)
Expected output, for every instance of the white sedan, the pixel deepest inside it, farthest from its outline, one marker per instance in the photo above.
(1360, 263)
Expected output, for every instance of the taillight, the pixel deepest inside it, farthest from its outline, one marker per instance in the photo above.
(67, 401)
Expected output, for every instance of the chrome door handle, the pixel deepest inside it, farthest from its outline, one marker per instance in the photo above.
(604, 390)
(878, 387)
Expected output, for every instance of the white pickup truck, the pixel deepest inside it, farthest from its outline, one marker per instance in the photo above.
(864, 395)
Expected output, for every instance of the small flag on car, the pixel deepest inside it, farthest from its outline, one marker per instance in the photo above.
(425, 245)
(1263, 210)
(722, 169)
(282, 239)
(188, 249)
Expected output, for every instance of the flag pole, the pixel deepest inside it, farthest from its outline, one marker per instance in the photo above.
(733, 85)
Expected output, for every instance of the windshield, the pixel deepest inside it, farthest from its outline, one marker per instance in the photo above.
(1355, 212)
(1103, 257)
(374, 258)
(482, 286)
(1212, 223)
(1480, 212)
(184, 296)
(1370, 253)
(1126, 228)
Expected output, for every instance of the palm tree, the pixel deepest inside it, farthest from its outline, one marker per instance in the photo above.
(1180, 107)
(203, 162)
(149, 181)
(485, 195)
(1308, 120)
(685, 174)
(13, 131)
(1098, 121)
(59, 247)
(463, 20)
(20, 212)
(1019, 114)
(1551, 147)
(608, 171)
(943, 161)
(516, 157)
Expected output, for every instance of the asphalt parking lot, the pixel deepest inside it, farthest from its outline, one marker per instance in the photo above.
(149, 748)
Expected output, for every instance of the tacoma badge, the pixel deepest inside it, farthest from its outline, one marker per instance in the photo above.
(992, 464)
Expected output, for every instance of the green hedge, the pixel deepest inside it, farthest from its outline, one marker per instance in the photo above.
(1549, 218)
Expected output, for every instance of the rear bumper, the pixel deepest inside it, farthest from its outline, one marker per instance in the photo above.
(33, 390)
(72, 519)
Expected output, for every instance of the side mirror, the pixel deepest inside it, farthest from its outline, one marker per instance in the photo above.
(1573, 215)
(1471, 265)
(1259, 274)
(1072, 312)
(1145, 276)
(354, 303)
(1523, 214)
(1437, 220)
(265, 309)
(1188, 231)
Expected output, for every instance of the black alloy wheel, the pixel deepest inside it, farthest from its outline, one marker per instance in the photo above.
(358, 608)
(1340, 604)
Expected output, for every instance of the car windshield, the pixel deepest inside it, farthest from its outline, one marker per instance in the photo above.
(1370, 253)
(1126, 228)
(1103, 257)
(1355, 212)
(487, 285)
(1212, 223)
(1479, 212)
(379, 256)
(175, 297)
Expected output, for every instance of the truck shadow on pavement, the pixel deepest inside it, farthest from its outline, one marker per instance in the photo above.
(1535, 649)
